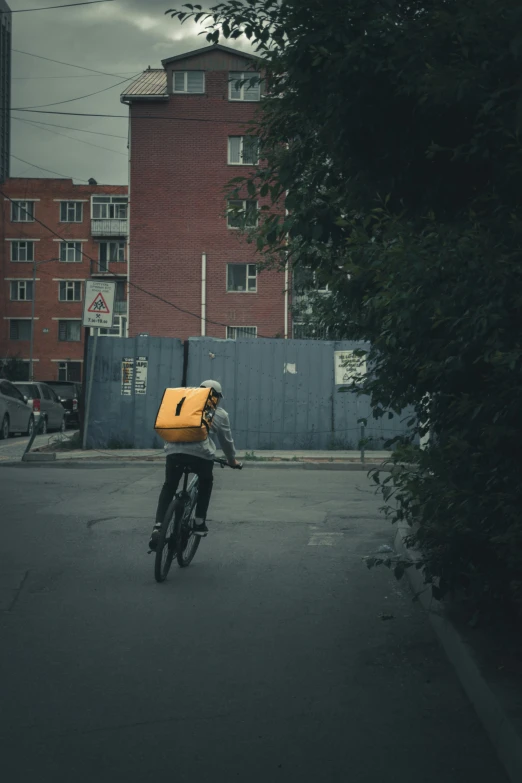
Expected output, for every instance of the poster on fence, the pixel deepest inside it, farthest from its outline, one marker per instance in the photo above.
(127, 376)
(348, 367)
(140, 382)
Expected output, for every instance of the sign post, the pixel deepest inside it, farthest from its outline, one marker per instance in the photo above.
(98, 312)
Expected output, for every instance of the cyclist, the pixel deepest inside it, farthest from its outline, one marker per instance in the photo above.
(199, 458)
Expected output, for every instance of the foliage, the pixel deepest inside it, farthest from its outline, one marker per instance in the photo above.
(14, 369)
(390, 132)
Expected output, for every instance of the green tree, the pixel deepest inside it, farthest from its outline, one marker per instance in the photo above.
(390, 131)
(13, 369)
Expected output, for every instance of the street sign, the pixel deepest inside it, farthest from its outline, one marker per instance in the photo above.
(98, 309)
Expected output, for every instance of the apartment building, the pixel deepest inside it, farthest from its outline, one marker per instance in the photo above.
(192, 271)
(55, 235)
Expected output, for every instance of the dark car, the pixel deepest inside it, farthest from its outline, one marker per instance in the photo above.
(69, 394)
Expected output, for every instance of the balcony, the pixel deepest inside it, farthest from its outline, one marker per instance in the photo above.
(108, 269)
(108, 227)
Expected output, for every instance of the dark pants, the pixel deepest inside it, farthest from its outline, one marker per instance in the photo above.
(173, 473)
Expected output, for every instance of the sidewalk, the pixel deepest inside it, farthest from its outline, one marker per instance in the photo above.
(298, 458)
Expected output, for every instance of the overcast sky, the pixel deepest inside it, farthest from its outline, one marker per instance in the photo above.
(122, 37)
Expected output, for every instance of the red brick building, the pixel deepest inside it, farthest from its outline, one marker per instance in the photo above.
(84, 235)
(187, 141)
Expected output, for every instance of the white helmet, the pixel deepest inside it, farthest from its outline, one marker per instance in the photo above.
(212, 385)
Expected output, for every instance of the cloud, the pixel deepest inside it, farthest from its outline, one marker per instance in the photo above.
(118, 38)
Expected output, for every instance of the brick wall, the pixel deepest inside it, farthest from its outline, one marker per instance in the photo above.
(48, 350)
(179, 171)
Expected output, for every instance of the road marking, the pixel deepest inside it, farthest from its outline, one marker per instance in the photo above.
(324, 539)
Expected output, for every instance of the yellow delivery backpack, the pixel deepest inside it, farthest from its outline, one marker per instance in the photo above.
(185, 415)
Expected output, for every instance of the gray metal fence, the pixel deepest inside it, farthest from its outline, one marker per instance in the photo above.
(280, 394)
(130, 375)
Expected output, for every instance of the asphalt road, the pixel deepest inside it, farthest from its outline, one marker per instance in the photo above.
(269, 659)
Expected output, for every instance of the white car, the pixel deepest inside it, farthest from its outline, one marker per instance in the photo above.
(45, 405)
(15, 413)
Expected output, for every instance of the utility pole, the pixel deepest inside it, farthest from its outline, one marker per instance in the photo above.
(33, 298)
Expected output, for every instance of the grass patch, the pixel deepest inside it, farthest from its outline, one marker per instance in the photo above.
(251, 456)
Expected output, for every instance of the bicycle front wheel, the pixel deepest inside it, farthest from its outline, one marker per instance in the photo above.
(166, 547)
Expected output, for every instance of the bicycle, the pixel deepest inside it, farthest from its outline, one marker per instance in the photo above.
(176, 536)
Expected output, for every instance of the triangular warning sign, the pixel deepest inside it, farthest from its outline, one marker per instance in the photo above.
(99, 305)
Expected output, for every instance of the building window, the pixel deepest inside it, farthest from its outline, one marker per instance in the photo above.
(109, 208)
(71, 212)
(244, 86)
(70, 291)
(70, 371)
(119, 328)
(109, 252)
(241, 332)
(243, 150)
(69, 331)
(322, 288)
(20, 329)
(22, 251)
(120, 299)
(22, 211)
(242, 214)
(242, 278)
(71, 252)
(22, 291)
(189, 81)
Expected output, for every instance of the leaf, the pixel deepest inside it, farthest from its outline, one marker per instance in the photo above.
(251, 188)
(399, 571)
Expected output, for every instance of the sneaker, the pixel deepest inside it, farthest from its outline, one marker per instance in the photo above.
(153, 543)
(200, 528)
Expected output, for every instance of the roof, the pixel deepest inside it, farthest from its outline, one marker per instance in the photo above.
(152, 82)
(206, 49)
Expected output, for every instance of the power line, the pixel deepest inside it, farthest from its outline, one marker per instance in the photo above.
(35, 126)
(134, 116)
(74, 76)
(71, 65)
(49, 171)
(68, 127)
(129, 282)
(80, 97)
(49, 7)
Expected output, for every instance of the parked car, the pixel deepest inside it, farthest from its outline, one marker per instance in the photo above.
(69, 394)
(45, 404)
(15, 413)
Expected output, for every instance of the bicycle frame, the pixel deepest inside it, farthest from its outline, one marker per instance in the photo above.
(187, 490)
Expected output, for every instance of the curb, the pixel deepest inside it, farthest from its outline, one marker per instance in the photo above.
(496, 722)
(39, 456)
(114, 462)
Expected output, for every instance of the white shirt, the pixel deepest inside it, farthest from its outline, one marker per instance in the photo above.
(206, 449)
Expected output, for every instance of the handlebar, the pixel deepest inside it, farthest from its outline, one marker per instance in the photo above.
(225, 464)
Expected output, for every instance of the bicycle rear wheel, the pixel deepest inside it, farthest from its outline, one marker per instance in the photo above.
(187, 542)
(167, 539)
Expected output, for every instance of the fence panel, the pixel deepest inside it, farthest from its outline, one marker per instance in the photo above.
(130, 375)
(278, 392)
(350, 408)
